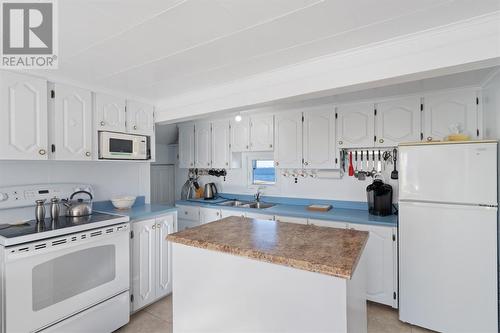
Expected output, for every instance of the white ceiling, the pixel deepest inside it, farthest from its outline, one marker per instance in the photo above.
(156, 49)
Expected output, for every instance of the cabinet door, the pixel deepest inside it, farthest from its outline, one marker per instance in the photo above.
(398, 121)
(226, 213)
(290, 219)
(72, 125)
(288, 153)
(262, 133)
(144, 257)
(444, 110)
(330, 224)
(140, 118)
(23, 117)
(208, 215)
(220, 144)
(355, 125)
(319, 138)
(164, 225)
(110, 113)
(186, 146)
(202, 146)
(240, 135)
(380, 258)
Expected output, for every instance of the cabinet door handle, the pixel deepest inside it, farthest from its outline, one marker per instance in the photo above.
(217, 213)
(87, 154)
(247, 146)
(381, 140)
(340, 142)
(277, 163)
(135, 127)
(42, 152)
(227, 163)
(102, 123)
(306, 163)
(270, 146)
(429, 138)
(154, 226)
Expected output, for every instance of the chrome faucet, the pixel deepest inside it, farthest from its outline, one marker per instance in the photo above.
(258, 195)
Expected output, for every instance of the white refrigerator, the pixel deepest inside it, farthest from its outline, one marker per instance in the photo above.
(448, 236)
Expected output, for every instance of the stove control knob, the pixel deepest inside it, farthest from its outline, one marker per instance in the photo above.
(4, 196)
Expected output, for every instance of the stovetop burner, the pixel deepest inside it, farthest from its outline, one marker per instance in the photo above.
(32, 227)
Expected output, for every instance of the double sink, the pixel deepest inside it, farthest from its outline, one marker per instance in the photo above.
(246, 204)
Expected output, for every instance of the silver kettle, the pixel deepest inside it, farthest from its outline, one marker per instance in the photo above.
(210, 191)
(78, 207)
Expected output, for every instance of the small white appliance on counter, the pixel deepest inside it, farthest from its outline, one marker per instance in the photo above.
(448, 237)
(121, 146)
(66, 275)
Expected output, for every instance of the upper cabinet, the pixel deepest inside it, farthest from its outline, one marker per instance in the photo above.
(288, 153)
(23, 117)
(202, 145)
(443, 111)
(71, 124)
(262, 132)
(397, 121)
(319, 138)
(186, 145)
(221, 152)
(140, 118)
(240, 135)
(355, 125)
(109, 113)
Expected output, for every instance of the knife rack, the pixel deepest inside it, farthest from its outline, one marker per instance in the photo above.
(386, 154)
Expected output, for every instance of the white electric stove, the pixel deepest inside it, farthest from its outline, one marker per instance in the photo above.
(64, 275)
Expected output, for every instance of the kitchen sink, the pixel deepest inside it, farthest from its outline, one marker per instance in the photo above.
(246, 204)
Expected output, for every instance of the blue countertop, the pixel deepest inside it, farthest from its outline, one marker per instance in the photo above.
(139, 211)
(343, 211)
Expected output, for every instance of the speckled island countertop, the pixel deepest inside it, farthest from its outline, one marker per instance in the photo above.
(324, 250)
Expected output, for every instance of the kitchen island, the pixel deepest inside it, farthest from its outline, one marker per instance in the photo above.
(246, 275)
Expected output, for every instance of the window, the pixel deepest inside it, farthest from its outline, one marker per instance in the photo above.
(263, 172)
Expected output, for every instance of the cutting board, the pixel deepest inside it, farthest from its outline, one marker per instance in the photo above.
(319, 208)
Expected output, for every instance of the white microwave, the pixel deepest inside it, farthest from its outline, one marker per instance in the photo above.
(121, 146)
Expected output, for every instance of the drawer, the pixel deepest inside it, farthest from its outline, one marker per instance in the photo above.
(191, 213)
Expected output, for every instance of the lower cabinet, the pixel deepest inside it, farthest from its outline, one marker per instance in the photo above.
(381, 252)
(151, 259)
(208, 215)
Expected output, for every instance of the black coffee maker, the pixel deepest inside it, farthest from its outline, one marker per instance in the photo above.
(379, 197)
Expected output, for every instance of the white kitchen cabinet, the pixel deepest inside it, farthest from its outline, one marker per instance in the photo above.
(71, 123)
(227, 212)
(140, 118)
(446, 109)
(221, 153)
(189, 217)
(290, 219)
(186, 145)
(288, 136)
(355, 125)
(398, 121)
(240, 135)
(319, 138)
(259, 216)
(381, 257)
(208, 215)
(262, 132)
(23, 117)
(151, 256)
(330, 224)
(202, 145)
(109, 113)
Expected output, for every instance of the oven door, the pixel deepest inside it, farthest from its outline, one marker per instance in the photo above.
(48, 281)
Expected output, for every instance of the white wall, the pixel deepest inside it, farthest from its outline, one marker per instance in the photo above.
(107, 178)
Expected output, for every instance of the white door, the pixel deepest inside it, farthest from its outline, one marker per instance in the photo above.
(226, 213)
(398, 121)
(262, 133)
(72, 123)
(23, 118)
(290, 219)
(208, 215)
(355, 125)
(240, 135)
(144, 257)
(445, 110)
(165, 225)
(186, 146)
(449, 173)
(380, 259)
(109, 113)
(140, 118)
(202, 146)
(319, 138)
(330, 224)
(448, 267)
(288, 153)
(220, 144)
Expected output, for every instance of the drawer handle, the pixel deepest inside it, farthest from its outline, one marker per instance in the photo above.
(42, 152)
